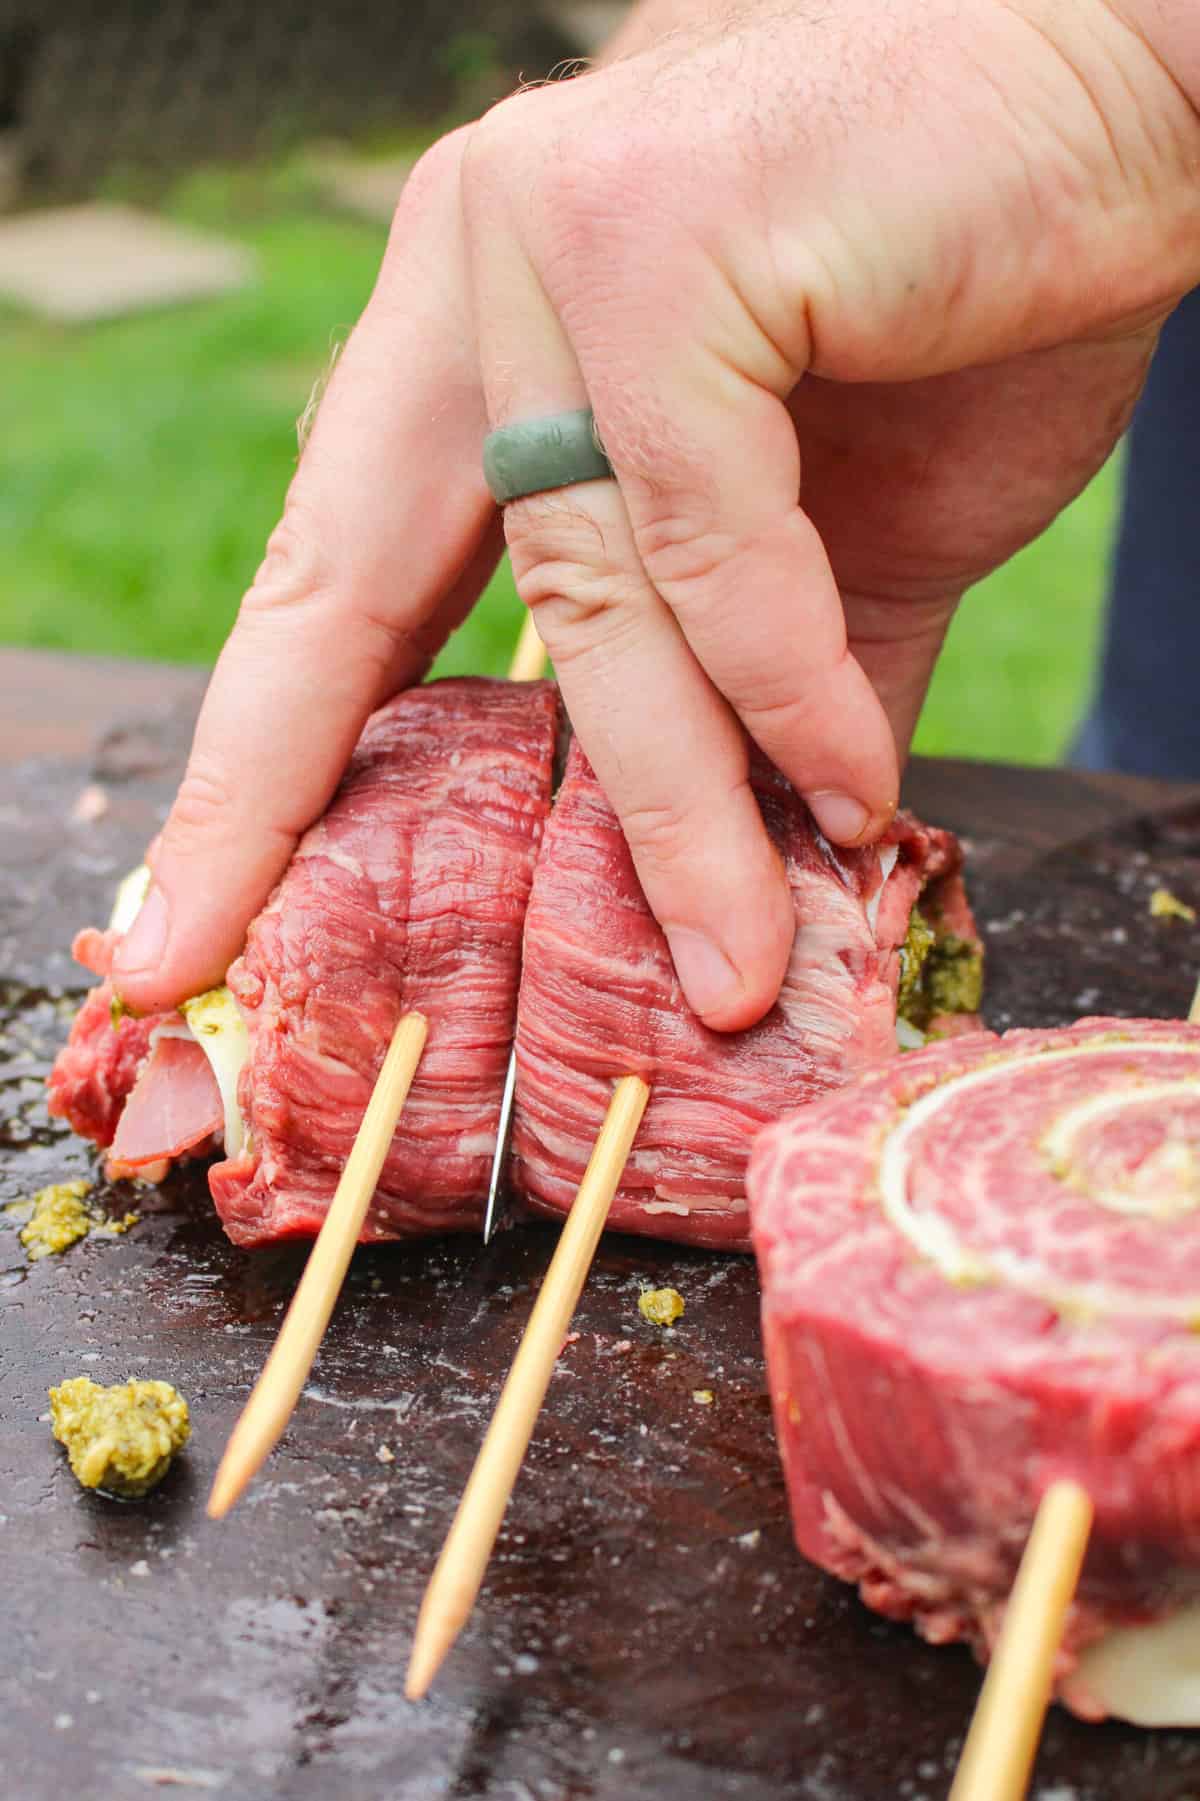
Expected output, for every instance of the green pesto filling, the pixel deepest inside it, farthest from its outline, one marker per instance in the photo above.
(954, 975)
(939, 973)
(914, 954)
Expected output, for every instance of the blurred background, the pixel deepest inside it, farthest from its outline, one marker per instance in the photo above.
(193, 203)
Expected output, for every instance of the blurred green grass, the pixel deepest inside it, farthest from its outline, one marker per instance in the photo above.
(143, 462)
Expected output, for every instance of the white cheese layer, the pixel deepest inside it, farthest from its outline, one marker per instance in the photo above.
(213, 1019)
(215, 1022)
(1149, 1675)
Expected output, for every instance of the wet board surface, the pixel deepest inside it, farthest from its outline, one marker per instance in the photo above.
(646, 1628)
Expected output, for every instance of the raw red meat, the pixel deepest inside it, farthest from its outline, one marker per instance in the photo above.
(981, 1272)
(599, 999)
(410, 892)
(97, 1067)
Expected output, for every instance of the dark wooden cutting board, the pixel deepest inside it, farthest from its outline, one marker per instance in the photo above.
(646, 1628)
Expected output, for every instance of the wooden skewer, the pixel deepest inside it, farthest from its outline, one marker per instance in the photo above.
(283, 1376)
(529, 658)
(1194, 1009)
(285, 1372)
(1003, 1739)
(459, 1572)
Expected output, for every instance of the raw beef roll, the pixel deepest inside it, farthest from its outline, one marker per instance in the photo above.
(981, 1272)
(409, 893)
(599, 999)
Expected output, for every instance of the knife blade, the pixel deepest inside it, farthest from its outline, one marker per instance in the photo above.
(492, 1213)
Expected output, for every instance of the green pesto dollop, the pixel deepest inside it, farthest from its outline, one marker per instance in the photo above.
(60, 1217)
(121, 1439)
(954, 975)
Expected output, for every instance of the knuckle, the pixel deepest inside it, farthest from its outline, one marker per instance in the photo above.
(497, 146)
(574, 181)
(584, 603)
(437, 172)
(546, 531)
(658, 835)
(203, 807)
(294, 571)
(682, 557)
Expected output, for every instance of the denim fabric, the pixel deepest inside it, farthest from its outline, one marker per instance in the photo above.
(1145, 713)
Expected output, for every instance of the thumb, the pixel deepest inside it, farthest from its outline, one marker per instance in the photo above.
(387, 537)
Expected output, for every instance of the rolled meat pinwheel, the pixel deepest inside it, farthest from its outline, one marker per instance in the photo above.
(981, 1273)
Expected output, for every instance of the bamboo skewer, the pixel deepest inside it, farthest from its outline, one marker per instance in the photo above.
(459, 1572)
(1003, 1739)
(283, 1376)
(1194, 1009)
(529, 658)
(285, 1372)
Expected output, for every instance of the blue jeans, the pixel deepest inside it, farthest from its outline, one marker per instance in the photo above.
(1144, 717)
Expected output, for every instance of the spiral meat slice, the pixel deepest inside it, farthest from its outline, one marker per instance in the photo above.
(981, 1272)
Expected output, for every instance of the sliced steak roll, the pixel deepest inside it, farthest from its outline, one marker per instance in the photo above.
(599, 999)
(409, 893)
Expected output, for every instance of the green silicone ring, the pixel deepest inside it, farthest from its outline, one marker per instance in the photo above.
(534, 455)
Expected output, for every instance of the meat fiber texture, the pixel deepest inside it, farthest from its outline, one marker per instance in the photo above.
(96, 1069)
(409, 893)
(599, 999)
(981, 1272)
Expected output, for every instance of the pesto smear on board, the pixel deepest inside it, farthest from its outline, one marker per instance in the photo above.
(59, 1216)
(120, 1440)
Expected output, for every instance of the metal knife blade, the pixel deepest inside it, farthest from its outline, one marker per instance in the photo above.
(492, 1214)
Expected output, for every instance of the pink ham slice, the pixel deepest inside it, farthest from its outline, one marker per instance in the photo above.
(174, 1107)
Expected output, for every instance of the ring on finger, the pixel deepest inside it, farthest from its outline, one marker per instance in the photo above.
(533, 456)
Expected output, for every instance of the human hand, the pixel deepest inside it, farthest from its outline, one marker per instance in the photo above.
(905, 263)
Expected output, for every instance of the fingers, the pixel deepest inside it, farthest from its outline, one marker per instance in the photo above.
(387, 537)
(695, 595)
(669, 754)
(687, 390)
(723, 540)
(666, 747)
